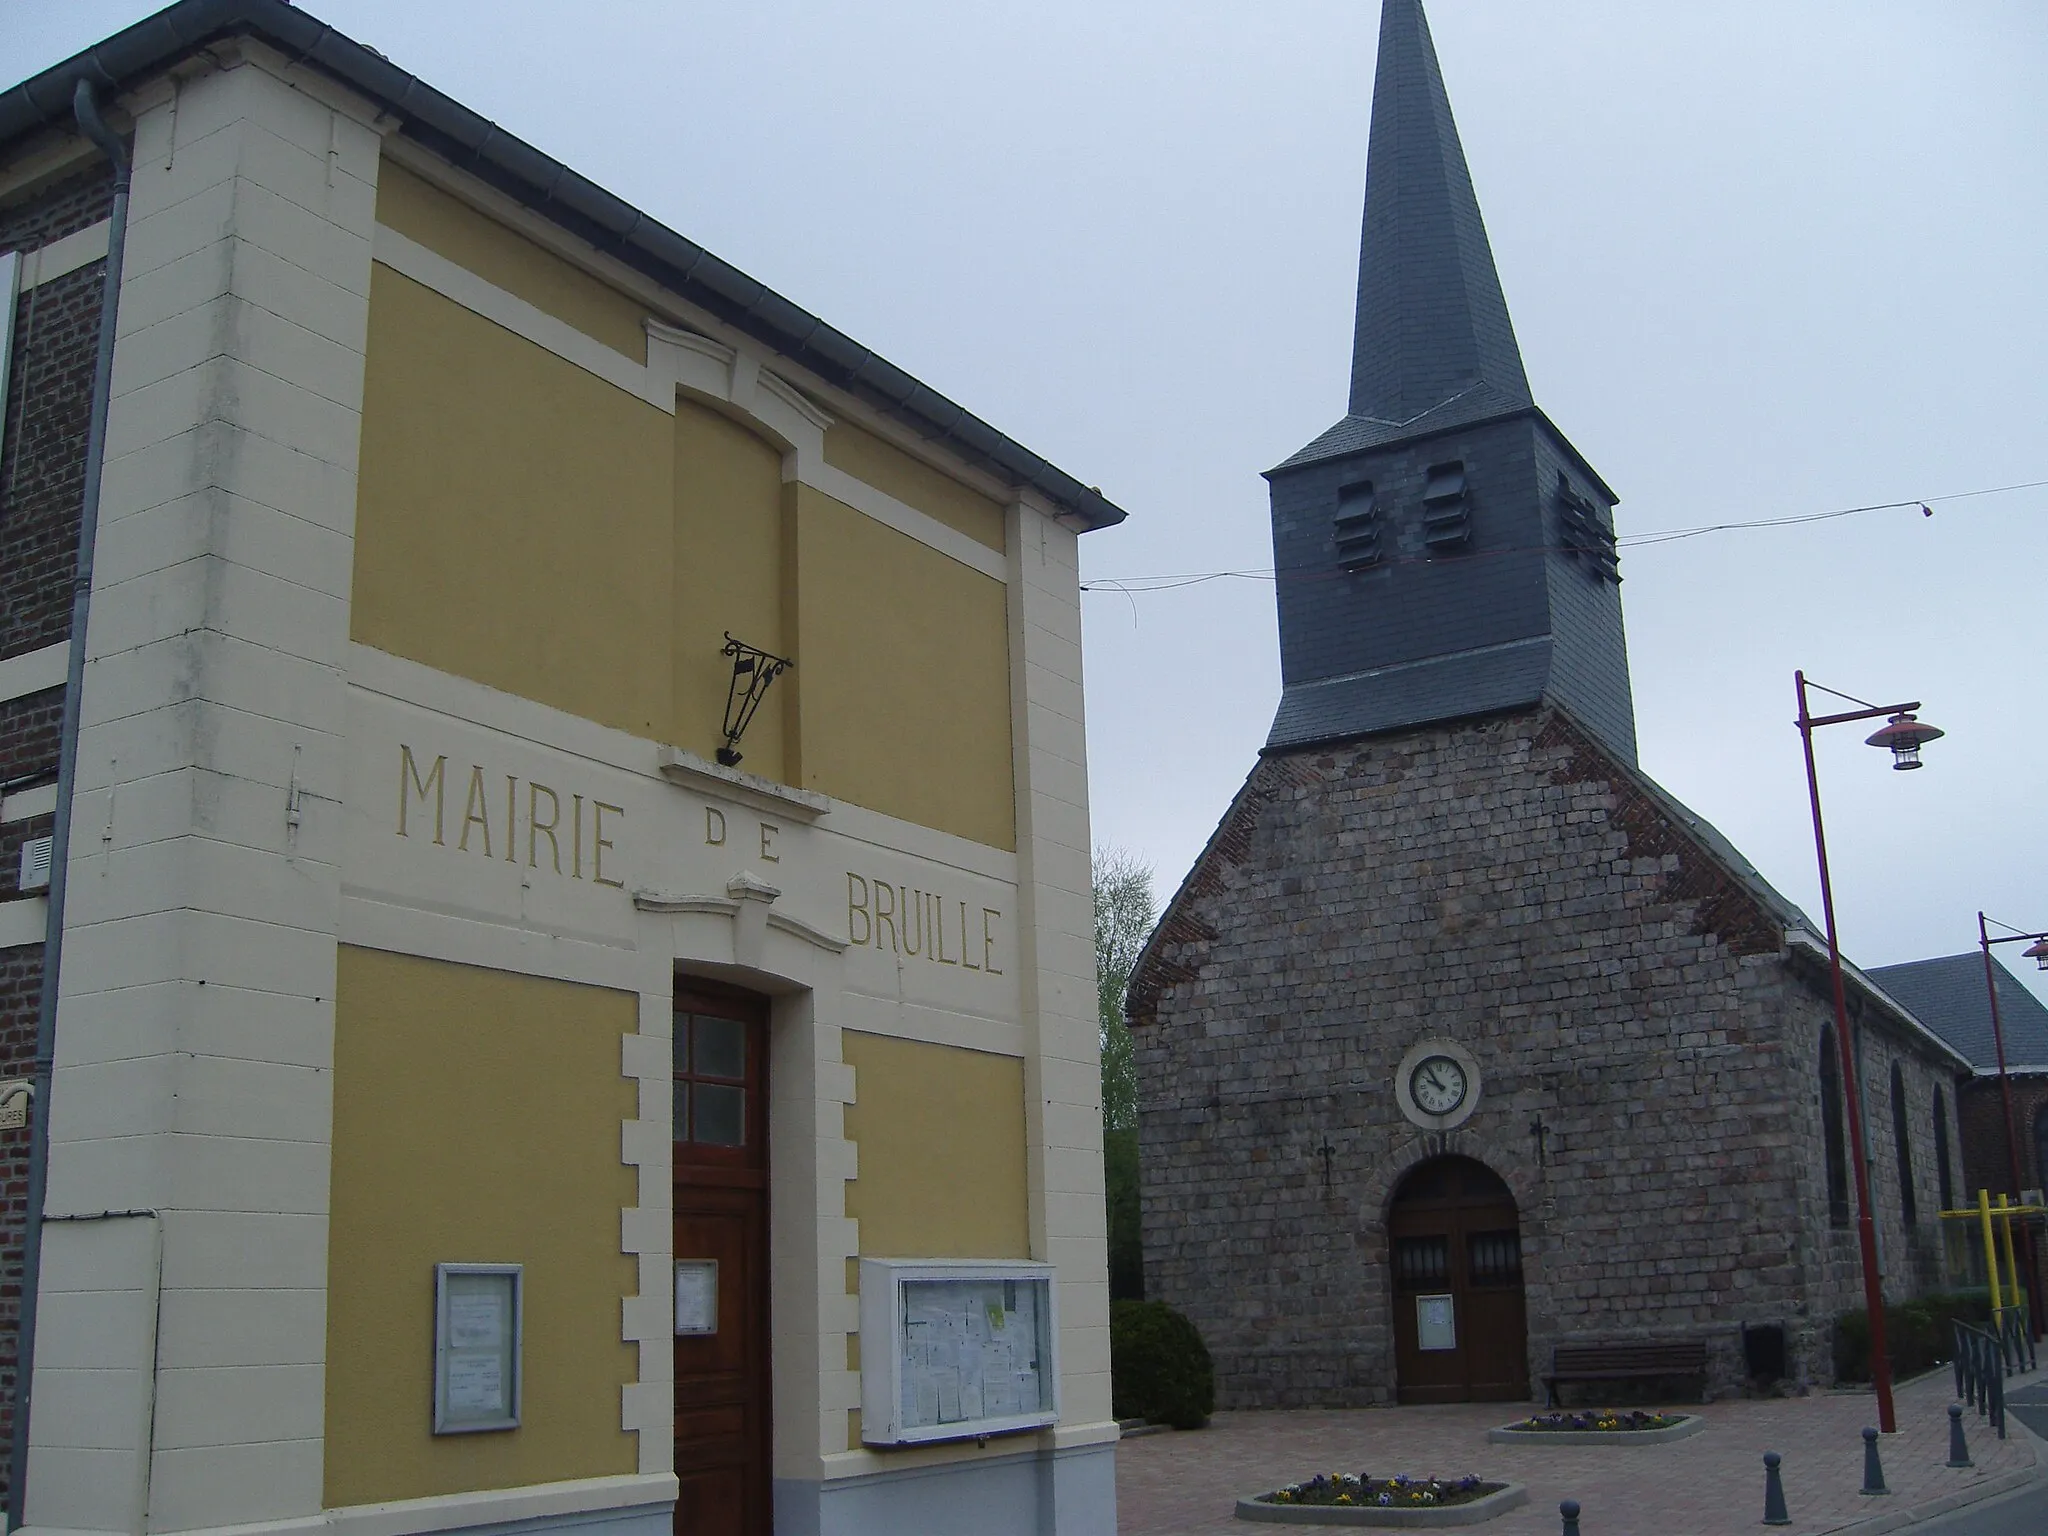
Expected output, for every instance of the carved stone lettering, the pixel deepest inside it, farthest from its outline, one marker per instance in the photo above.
(919, 924)
(489, 828)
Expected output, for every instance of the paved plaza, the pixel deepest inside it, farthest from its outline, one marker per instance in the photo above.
(1711, 1484)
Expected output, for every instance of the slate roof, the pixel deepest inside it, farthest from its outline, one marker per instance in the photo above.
(1949, 996)
(1434, 347)
(604, 221)
(1428, 690)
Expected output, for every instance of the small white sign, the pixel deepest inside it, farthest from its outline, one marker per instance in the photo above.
(476, 1319)
(696, 1297)
(1436, 1323)
(476, 1347)
(476, 1386)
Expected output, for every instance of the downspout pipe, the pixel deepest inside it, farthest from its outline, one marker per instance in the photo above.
(85, 108)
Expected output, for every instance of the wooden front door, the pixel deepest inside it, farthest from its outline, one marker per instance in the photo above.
(1460, 1331)
(721, 1252)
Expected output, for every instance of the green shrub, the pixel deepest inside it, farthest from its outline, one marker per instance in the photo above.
(1159, 1367)
(1918, 1333)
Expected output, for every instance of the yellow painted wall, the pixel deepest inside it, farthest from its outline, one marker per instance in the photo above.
(942, 1150)
(514, 515)
(449, 227)
(476, 1119)
(905, 675)
(915, 483)
(729, 576)
(522, 523)
(940, 1135)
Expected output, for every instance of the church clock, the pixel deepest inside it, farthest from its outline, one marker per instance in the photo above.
(1438, 1085)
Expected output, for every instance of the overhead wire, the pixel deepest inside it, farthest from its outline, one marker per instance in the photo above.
(1130, 586)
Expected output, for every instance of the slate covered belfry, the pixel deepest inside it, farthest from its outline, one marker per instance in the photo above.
(1465, 549)
(1463, 1039)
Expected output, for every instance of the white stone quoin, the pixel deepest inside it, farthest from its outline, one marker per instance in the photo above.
(178, 1381)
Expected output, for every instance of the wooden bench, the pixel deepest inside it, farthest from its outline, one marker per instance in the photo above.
(1625, 1362)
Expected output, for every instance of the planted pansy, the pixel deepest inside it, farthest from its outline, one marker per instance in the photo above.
(1402, 1490)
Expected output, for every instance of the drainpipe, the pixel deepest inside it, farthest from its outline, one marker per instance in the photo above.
(85, 108)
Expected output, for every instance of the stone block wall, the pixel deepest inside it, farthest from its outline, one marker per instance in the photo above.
(1506, 885)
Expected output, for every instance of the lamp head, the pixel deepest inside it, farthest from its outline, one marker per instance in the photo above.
(1903, 735)
(2038, 953)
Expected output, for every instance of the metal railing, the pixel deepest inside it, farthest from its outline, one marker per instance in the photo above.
(1985, 1356)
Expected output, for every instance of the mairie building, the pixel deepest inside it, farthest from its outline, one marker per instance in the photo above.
(560, 848)
(1464, 1042)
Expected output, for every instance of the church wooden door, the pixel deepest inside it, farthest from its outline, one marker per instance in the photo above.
(1460, 1330)
(721, 1253)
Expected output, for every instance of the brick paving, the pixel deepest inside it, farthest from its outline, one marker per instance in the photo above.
(1710, 1484)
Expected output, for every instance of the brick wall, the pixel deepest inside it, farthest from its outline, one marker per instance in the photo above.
(1985, 1164)
(42, 464)
(49, 398)
(1502, 884)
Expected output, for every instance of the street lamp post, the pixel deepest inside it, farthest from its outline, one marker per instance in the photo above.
(1903, 737)
(2038, 951)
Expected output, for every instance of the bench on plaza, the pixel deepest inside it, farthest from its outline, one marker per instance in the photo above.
(1625, 1362)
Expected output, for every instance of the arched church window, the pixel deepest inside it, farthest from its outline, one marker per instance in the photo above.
(1831, 1133)
(1909, 1204)
(1944, 1176)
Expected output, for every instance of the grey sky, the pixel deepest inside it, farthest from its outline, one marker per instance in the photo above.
(1764, 259)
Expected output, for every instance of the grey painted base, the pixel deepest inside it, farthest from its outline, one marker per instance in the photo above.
(1507, 1434)
(1035, 1493)
(631, 1520)
(1511, 1497)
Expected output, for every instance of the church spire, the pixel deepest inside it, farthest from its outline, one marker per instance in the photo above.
(1433, 327)
(1446, 553)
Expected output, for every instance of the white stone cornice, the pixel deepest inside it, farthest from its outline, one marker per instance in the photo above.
(665, 901)
(795, 399)
(748, 886)
(689, 341)
(797, 928)
(693, 772)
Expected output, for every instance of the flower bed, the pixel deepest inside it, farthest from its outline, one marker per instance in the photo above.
(1603, 1426)
(1338, 1498)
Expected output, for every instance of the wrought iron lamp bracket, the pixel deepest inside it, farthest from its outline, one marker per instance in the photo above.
(753, 669)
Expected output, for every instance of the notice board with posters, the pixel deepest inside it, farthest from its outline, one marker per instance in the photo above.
(956, 1349)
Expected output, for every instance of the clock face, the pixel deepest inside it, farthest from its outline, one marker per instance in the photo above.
(1437, 1085)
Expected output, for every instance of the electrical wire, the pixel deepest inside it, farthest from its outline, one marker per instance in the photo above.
(1130, 586)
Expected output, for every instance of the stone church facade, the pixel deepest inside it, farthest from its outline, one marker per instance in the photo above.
(1463, 1039)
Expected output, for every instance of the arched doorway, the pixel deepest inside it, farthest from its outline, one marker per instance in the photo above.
(1460, 1331)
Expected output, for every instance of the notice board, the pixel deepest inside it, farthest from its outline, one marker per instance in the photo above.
(956, 1349)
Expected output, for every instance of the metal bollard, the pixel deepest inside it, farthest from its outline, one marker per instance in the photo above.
(1873, 1470)
(1958, 1447)
(1570, 1510)
(1774, 1491)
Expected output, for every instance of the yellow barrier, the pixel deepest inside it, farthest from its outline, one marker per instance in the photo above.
(1984, 1213)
